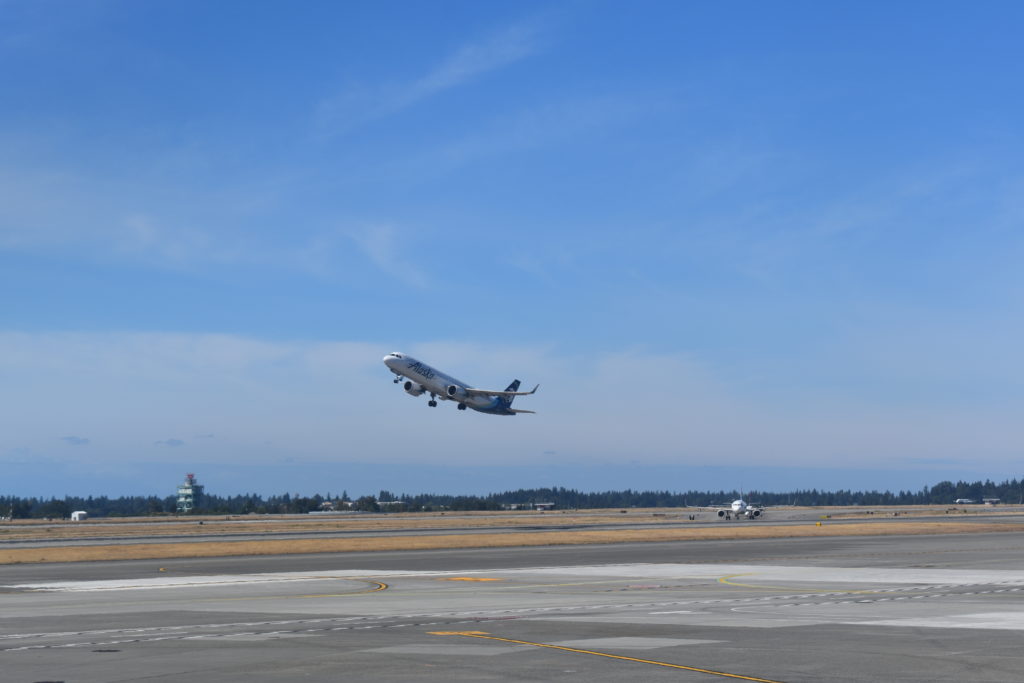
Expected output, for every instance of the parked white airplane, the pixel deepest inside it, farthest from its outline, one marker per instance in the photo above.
(741, 508)
(421, 378)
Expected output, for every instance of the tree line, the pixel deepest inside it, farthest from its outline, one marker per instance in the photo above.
(945, 492)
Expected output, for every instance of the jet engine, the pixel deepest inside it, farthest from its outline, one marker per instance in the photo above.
(721, 513)
(413, 389)
(455, 391)
(754, 513)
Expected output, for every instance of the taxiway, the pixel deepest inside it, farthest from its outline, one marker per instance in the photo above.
(915, 608)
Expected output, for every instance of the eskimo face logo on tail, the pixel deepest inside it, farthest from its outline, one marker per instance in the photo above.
(421, 370)
(507, 400)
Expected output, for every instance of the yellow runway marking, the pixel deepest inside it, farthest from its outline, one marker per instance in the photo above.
(789, 589)
(468, 578)
(379, 587)
(711, 672)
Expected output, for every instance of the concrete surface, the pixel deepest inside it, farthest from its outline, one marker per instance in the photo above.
(916, 608)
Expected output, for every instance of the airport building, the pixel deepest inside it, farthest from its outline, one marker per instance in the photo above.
(190, 494)
(529, 506)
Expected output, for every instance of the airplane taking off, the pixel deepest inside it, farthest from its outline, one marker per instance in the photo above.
(741, 508)
(420, 378)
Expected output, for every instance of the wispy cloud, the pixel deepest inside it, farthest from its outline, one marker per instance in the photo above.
(302, 399)
(537, 127)
(92, 218)
(91, 222)
(381, 244)
(142, 234)
(358, 105)
(75, 440)
(499, 50)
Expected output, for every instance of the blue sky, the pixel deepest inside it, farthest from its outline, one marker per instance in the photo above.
(738, 244)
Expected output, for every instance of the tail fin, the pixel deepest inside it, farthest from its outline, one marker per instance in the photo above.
(511, 387)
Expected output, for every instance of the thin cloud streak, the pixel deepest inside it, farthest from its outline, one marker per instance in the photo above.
(381, 244)
(470, 62)
(528, 129)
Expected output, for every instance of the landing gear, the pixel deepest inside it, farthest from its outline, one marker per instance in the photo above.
(432, 403)
(397, 379)
(462, 406)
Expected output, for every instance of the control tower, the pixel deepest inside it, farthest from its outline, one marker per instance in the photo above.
(190, 494)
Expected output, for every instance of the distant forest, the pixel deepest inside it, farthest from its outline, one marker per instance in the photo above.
(132, 506)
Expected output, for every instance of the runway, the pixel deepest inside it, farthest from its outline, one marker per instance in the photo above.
(913, 608)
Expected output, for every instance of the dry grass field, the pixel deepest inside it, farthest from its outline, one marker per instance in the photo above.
(136, 527)
(534, 533)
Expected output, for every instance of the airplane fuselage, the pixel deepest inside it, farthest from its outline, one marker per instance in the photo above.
(430, 380)
(741, 508)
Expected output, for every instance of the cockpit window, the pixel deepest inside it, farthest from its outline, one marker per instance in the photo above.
(396, 355)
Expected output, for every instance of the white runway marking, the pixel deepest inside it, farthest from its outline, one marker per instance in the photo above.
(677, 611)
(1002, 621)
(740, 573)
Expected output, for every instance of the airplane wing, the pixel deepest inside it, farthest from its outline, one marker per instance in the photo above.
(513, 410)
(485, 392)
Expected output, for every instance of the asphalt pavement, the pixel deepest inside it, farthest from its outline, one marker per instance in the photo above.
(913, 608)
